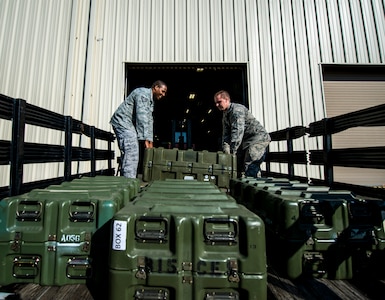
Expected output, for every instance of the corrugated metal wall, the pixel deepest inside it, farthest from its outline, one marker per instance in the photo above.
(68, 56)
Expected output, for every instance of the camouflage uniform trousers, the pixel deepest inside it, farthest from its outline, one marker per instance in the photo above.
(254, 156)
(129, 148)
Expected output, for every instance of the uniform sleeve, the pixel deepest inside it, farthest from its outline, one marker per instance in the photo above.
(237, 120)
(226, 137)
(144, 117)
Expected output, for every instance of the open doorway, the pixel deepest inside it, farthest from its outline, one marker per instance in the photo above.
(187, 117)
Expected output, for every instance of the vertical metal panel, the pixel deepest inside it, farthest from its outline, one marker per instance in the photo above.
(216, 27)
(360, 38)
(334, 20)
(205, 42)
(192, 25)
(241, 42)
(33, 59)
(158, 35)
(370, 31)
(228, 28)
(323, 31)
(379, 21)
(180, 31)
(347, 34)
(169, 30)
(78, 36)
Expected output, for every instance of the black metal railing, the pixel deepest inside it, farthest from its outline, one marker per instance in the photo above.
(16, 152)
(363, 157)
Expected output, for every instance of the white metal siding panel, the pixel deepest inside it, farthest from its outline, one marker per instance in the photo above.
(73, 106)
(216, 25)
(132, 18)
(350, 44)
(145, 34)
(157, 31)
(169, 31)
(205, 43)
(292, 101)
(370, 31)
(315, 91)
(228, 28)
(192, 30)
(180, 31)
(33, 60)
(254, 67)
(335, 31)
(305, 81)
(241, 43)
(360, 37)
(379, 20)
(323, 31)
(280, 100)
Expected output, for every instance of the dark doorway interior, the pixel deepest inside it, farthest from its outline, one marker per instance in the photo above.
(189, 100)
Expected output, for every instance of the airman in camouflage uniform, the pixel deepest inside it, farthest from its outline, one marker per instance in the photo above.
(133, 122)
(243, 134)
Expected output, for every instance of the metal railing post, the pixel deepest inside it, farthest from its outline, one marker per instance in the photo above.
(17, 149)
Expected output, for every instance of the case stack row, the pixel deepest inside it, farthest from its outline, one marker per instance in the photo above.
(57, 235)
(314, 231)
(217, 167)
(186, 239)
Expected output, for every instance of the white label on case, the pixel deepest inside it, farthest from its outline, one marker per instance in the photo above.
(119, 235)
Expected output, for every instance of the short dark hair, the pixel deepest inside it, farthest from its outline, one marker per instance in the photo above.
(159, 83)
(222, 93)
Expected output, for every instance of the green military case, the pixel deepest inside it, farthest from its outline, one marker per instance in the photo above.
(128, 187)
(295, 259)
(179, 286)
(68, 222)
(27, 240)
(181, 248)
(312, 229)
(82, 230)
(241, 188)
(32, 263)
(217, 167)
(132, 183)
(178, 193)
(366, 236)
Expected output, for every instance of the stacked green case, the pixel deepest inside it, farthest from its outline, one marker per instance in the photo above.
(305, 226)
(61, 231)
(217, 167)
(183, 244)
(27, 240)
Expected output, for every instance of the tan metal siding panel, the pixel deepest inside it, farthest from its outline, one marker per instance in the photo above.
(347, 96)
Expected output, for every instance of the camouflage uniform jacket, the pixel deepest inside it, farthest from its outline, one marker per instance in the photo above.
(241, 129)
(136, 113)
